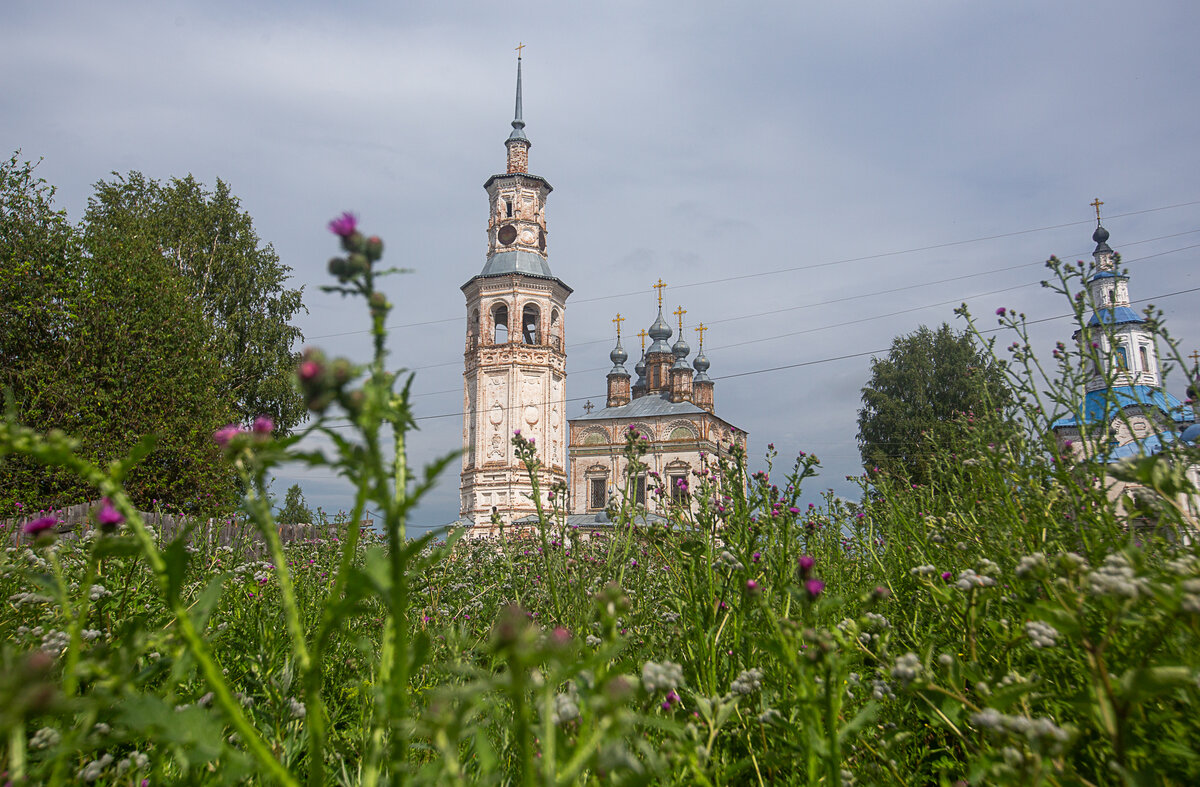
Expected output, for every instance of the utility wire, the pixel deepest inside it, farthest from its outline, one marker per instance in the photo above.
(810, 266)
(801, 364)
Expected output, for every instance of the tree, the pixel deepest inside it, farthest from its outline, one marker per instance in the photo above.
(295, 511)
(917, 395)
(238, 282)
(161, 313)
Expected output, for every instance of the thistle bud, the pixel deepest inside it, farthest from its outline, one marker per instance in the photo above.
(320, 403)
(373, 248)
(354, 401)
(354, 241)
(379, 303)
(339, 267)
(358, 264)
(342, 372)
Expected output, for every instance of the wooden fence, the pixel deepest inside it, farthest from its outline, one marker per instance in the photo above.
(75, 521)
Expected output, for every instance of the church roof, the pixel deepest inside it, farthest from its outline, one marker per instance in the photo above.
(1119, 315)
(516, 262)
(644, 406)
(1102, 405)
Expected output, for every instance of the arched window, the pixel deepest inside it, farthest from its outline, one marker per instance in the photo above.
(1144, 357)
(531, 328)
(474, 327)
(554, 322)
(1122, 358)
(499, 324)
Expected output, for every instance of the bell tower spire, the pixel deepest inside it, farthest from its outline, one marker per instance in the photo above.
(517, 143)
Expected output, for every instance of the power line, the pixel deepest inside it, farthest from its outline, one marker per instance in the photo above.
(800, 364)
(810, 266)
(842, 324)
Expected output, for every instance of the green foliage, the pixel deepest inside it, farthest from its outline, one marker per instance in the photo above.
(918, 395)
(160, 314)
(1004, 624)
(237, 281)
(294, 510)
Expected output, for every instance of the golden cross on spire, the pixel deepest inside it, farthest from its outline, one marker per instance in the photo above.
(520, 46)
(619, 319)
(679, 313)
(1096, 203)
(642, 335)
(659, 287)
(700, 329)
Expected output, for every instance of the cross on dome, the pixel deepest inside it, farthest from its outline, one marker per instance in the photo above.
(679, 313)
(659, 287)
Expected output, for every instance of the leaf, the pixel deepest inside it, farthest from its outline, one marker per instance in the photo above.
(864, 715)
(175, 556)
(1139, 685)
(202, 609)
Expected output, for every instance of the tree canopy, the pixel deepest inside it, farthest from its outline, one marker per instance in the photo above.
(919, 395)
(160, 313)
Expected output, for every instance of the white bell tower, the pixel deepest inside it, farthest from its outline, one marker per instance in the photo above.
(514, 375)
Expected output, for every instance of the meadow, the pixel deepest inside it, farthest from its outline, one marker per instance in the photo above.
(1005, 623)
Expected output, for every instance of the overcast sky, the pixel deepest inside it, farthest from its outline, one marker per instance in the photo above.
(811, 179)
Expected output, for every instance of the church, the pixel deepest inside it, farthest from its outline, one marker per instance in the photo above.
(514, 380)
(1125, 410)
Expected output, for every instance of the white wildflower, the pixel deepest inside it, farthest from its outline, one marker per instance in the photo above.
(1041, 635)
(664, 677)
(297, 708)
(923, 571)
(91, 772)
(747, 682)
(907, 668)
(968, 580)
(45, 738)
(1115, 578)
(1032, 566)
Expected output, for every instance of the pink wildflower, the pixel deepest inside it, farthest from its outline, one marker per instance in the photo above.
(39, 526)
(344, 225)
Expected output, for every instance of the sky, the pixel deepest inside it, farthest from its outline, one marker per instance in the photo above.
(811, 180)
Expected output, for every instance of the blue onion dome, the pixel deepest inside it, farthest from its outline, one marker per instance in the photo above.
(618, 356)
(660, 331)
(701, 365)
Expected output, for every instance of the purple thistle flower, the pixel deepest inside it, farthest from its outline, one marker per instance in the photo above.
(263, 425)
(806, 563)
(39, 526)
(108, 516)
(344, 225)
(1000, 312)
(226, 433)
(814, 587)
(947, 576)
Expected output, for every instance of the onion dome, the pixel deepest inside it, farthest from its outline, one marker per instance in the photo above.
(640, 367)
(681, 350)
(701, 365)
(1101, 238)
(660, 331)
(618, 356)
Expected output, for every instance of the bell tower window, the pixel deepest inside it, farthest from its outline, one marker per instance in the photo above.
(508, 209)
(500, 324)
(531, 329)
(1144, 357)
